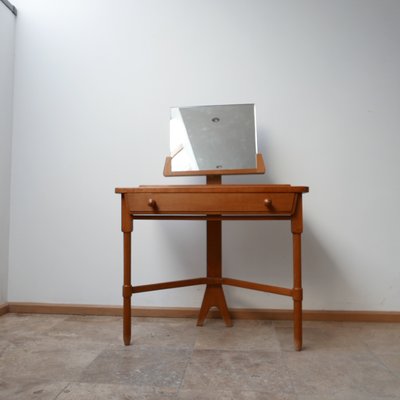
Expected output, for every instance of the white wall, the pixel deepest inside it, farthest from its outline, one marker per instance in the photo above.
(7, 31)
(94, 83)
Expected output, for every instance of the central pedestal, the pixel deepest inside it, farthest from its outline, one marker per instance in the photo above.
(214, 294)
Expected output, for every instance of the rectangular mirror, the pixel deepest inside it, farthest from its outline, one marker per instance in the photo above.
(213, 137)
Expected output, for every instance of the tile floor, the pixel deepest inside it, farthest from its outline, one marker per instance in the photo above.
(51, 357)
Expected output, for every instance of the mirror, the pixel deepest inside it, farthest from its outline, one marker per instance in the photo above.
(213, 137)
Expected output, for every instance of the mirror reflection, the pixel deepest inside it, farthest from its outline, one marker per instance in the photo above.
(213, 137)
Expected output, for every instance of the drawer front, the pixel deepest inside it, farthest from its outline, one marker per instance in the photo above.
(211, 203)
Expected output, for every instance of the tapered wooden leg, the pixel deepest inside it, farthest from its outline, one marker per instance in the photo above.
(127, 289)
(214, 294)
(297, 292)
(297, 229)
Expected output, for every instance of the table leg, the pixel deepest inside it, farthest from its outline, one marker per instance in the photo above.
(127, 289)
(297, 292)
(297, 229)
(214, 294)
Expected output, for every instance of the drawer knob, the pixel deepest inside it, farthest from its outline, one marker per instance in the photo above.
(152, 203)
(268, 203)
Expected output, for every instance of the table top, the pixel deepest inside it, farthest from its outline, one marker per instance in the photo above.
(222, 188)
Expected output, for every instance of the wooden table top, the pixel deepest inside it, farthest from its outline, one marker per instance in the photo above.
(223, 188)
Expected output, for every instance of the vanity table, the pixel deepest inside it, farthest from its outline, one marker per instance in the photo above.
(214, 202)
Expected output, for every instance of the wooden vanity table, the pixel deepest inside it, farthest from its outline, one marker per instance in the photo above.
(214, 203)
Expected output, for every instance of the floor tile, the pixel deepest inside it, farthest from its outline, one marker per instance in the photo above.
(337, 373)
(391, 361)
(103, 330)
(232, 395)
(83, 357)
(381, 338)
(101, 391)
(237, 370)
(348, 395)
(3, 345)
(29, 390)
(243, 336)
(306, 324)
(43, 360)
(323, 337)
(147, 366)
(177, 333)
(27, 324)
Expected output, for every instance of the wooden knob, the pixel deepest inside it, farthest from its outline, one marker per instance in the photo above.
(268, 203)
(152, 203)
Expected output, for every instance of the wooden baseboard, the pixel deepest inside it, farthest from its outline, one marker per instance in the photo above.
(175, 312)
(4, 309)
(68, 309)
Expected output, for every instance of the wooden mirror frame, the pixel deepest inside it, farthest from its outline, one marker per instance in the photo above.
(260, 169)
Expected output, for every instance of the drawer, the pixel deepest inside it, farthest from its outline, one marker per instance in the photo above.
(211, 203)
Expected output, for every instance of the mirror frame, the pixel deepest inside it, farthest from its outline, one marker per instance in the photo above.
(260, 169)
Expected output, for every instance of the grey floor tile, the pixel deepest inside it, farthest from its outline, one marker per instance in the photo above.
(3, 345)
(58, 342)
(237, 370)
(306, 324)
(177, 333)
(83, 357)
(391, 361)
(18, 389)
(243, 336)
(102, 391)
(339, 373)
(79, 328)
(381, 338)
(27, 324)
(323, 337)
(232, 395)
(369, 325)
(148, 366)
(44, 360)
(346, 396)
